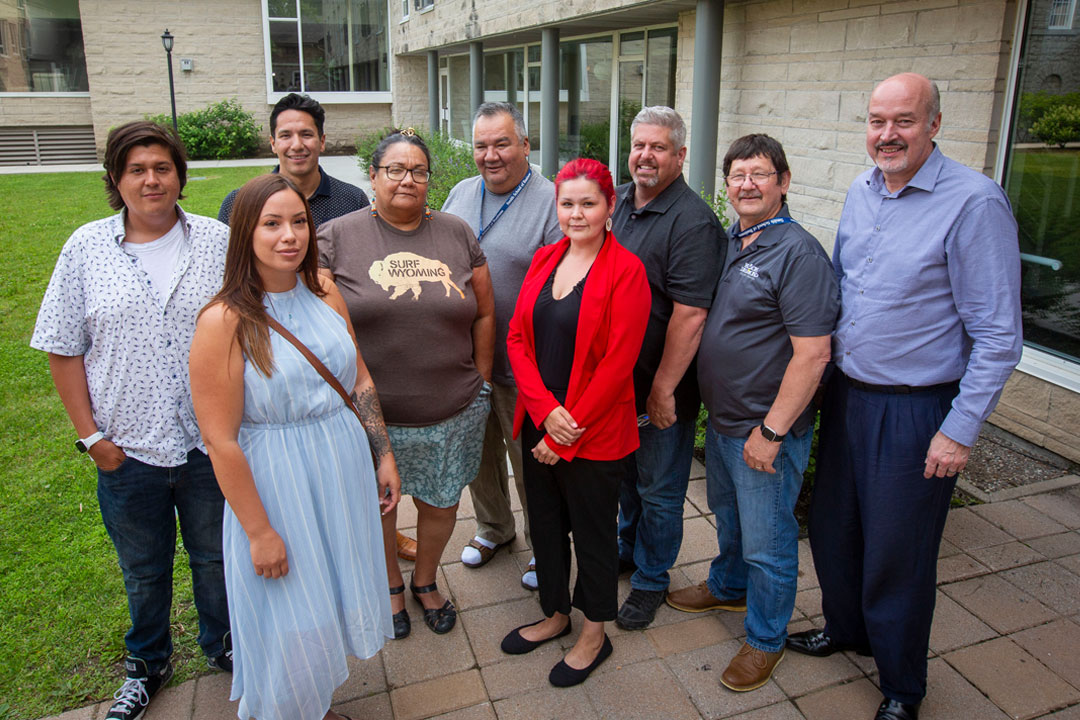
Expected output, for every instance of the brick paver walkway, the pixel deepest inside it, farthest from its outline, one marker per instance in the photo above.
(1004, 643)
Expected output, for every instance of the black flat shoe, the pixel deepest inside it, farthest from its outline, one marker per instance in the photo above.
(820, 644)
(441, 620)
(895, 710)
(562, 675)
(514, 644)
(402, 621)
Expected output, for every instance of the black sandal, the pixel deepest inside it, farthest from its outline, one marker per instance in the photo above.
(442, 620)
(402, 622)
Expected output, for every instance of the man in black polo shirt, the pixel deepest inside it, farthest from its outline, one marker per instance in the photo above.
(765, 345)
(678, 239)
(297, 138)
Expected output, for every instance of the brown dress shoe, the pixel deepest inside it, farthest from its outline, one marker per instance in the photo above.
(699, 599)
(406, 547)
(750, 669)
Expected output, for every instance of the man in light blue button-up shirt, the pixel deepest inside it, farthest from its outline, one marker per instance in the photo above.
(929, 331)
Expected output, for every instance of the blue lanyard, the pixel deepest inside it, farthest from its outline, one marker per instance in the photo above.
(761, 226)
(505, 205)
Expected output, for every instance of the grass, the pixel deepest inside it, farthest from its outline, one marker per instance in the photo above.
(61, 594)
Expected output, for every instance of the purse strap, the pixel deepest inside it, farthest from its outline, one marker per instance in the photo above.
(322, 370)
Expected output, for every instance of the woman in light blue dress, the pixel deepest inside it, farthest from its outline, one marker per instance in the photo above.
(304, 564)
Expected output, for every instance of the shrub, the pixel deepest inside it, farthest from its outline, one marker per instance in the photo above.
(219, 131)
(451, 161)
(1058, 126)
(1033, 105)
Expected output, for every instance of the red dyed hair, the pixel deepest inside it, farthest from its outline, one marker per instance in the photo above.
(590, 170)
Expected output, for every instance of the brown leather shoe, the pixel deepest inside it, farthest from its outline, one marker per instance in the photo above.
(406, 547)
(750, 669)
(699, 599)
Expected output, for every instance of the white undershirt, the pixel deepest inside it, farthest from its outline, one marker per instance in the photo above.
(158, 259)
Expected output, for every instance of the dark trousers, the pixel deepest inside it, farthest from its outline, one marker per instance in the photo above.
(579, 497)
(140, 505)
(876, 524)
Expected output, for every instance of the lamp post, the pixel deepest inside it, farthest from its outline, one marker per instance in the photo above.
(167, 42)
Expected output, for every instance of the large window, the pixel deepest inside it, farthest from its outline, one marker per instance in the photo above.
(41, 47)
(1042, 178)
(328, 48)
(604, 80)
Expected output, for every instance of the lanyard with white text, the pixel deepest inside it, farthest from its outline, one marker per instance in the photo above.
(512, 198)
(762, 225)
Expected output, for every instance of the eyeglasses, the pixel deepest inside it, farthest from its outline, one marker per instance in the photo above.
(397, 172)
(758, 178)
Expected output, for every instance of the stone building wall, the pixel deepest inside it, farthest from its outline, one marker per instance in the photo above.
(802, 71)
(44, 111)
(1043, 413)
(128, 76)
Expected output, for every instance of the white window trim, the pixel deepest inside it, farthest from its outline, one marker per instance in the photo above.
(1038, 363)
(328, 98)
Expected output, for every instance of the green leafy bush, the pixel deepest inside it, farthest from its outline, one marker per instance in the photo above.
(1058, 126)
(219, 131)
(451, 161)
(1033, 105)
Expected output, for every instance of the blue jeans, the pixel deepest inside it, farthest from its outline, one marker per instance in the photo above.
(140, 504)
(757, 532)
(651, 503)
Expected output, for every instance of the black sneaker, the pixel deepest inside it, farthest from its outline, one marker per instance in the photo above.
(134, 695)
(223, 661)
(639, 609)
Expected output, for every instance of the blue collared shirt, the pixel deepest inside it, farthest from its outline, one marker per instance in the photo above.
(930, 287)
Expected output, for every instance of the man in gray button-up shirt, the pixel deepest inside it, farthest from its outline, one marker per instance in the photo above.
(929, 331)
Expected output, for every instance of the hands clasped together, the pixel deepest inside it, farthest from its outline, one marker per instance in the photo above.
(563, 429)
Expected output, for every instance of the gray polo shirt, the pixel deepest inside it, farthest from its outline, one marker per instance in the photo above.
(781, 285)
(529, 222)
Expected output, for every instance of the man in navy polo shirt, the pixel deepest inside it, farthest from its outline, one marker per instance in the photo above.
(765, 346)
(297, 138)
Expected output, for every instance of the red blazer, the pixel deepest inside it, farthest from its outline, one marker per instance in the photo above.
(615, 307)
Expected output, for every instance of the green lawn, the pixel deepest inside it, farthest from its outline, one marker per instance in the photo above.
(61, 595)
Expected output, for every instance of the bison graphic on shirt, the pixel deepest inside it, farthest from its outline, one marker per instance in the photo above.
(404, 271)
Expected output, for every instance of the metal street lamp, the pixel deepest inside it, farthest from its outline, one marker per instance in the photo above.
(167, 43)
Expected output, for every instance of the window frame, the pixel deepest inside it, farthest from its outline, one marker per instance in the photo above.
(1053, 368)
(326, 97)
(11, 44)
(1070, 13)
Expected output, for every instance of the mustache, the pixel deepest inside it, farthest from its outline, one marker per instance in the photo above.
(891, 143)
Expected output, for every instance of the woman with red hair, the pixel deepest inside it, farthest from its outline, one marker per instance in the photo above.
(573, 341)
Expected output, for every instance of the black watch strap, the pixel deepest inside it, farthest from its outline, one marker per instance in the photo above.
(769, 434)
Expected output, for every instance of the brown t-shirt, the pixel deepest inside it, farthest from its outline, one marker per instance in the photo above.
(411, 301)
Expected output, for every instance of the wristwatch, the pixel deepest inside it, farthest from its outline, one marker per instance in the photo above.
(769, 434)
(84, 444)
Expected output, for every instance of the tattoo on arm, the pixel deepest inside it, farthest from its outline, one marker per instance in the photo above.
(367, 402)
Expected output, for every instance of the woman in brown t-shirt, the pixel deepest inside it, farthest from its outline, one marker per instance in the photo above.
(418, 291)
